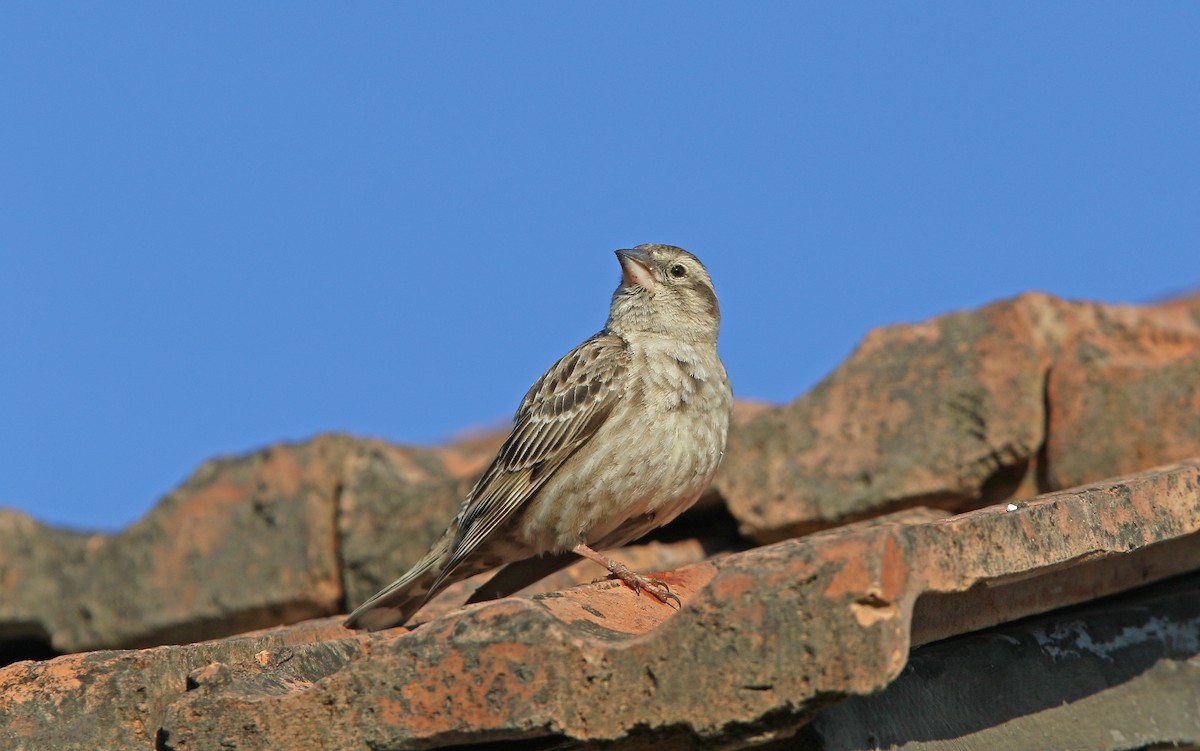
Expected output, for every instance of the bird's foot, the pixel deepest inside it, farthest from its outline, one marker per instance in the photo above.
(635, 581)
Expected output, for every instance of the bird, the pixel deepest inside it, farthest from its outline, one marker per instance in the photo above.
(618, 437)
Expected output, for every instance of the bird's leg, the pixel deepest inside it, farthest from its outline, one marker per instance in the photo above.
(634, 581)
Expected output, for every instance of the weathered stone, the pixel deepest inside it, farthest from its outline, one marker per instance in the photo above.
(243, 543)
(115, 700)
(246, 542)
(394, 502)
(36, 566)
(82, 701)
(765, 637)
(951, 412)
(1117, 417)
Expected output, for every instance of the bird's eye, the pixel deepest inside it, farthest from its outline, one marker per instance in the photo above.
(678, 271)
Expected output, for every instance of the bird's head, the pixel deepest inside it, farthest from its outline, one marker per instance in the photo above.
(664, 290)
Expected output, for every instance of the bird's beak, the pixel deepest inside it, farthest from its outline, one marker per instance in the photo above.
(637, 267)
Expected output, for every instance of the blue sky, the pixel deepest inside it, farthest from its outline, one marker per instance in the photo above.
(227, 225)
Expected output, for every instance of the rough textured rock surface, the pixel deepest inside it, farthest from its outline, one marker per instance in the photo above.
(953, 412)
(764, 640)
(393, 504)
(246, 542)
(116, 700)
(242, 543)
(1090, 425)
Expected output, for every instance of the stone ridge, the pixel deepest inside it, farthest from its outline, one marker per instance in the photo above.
(764, 640)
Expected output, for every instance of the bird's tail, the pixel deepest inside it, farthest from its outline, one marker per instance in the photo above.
(397, 602)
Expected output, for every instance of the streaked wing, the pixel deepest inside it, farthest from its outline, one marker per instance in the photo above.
(559, 414)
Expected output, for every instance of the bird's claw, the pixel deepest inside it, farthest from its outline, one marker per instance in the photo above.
(634, 581)
(656, 587)
(664, 592)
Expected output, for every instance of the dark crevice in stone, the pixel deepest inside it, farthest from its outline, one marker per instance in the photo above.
(1043, 453)
(1003, 483)
(339, 547)
(710, 522)
(554, 742)
(26, 648)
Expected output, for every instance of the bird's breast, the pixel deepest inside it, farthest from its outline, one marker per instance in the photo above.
(652, 458)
